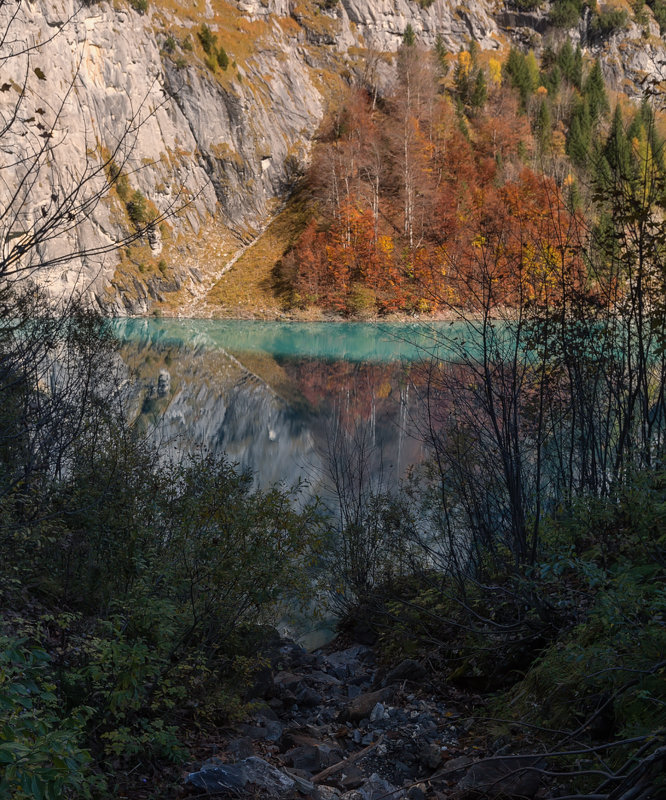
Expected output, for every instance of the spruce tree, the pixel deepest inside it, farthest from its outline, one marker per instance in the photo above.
(440, 54)
(480, 90)
(577, 68)
(565, 60)
(578, 138)
(617, 151)
(518, 71)
(595, 92)
(543, 127)
(552, 80)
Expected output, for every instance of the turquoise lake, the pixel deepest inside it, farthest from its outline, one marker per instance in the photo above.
(278, 398)
(377, 342)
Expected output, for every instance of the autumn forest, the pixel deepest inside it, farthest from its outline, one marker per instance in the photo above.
(474, 183)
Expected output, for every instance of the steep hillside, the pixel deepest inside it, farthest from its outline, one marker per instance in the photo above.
(204, 112)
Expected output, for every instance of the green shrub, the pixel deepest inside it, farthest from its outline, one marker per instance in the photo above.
(208, 39)
(606, 563)
(222, 58)
(118, 180)
(137, 209)
(565, 14)
(41, 753)
(659, 11)
(139, 5)
(362, 300)
(608, 22)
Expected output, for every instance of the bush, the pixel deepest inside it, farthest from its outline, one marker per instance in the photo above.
(565, 14)
(119, 181)
(659, 11)
(609, 22)
(609, 664)
(139, 5)
(362, 300)
(207, 39)
(137, 209)
(41, 753)
(222, 58)
(526, 5)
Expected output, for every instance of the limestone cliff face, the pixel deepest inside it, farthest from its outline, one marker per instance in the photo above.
(382, 22)
(99, 82)
(219, 146)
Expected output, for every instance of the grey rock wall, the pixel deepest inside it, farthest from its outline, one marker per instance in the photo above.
(180, 135)
(383, 22)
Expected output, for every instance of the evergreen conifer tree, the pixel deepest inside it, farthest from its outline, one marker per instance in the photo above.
(578, 139)
(577, 68)
(617, 151)
(595, 92)
(408, 36)
(480, 90)
(543, 127)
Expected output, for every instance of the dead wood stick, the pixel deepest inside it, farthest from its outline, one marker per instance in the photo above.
(319, 777)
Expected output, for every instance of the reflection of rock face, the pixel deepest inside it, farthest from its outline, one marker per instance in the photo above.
(262, 433)
(209, 401)
(282, 417)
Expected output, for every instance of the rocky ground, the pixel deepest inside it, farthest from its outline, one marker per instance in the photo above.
(334, 725)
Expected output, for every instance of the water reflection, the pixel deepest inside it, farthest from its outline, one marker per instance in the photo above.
(283, 401)
(275, 398)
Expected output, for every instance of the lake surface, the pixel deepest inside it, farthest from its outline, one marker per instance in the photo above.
(281, 399)
(376, 342)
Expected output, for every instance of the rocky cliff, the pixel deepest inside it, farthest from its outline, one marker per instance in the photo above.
(202, 111)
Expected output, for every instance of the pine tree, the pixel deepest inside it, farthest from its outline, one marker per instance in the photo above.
(543, 127)
(408, 36)
(577, 69)
(595, 92)
(617, 151)
(565, 60)
(462, 77)
(517, 69)
(440, 54)
(480, 90)
(532, 66)
(578, 138)
(656, 142)
(552, 80)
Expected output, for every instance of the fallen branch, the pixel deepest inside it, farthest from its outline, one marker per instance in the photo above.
(320, 776)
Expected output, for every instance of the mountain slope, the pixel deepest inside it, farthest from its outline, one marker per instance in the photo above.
(223, 100)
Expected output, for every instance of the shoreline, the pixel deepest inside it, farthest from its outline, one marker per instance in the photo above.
(274, 315)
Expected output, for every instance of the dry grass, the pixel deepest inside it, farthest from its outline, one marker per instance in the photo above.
(249, 286)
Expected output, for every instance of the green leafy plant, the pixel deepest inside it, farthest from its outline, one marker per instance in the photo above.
(41, 752)
(137, 209)
(208, 39)
(222, 58)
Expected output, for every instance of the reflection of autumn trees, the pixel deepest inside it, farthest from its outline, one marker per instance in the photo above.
(357, 390)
